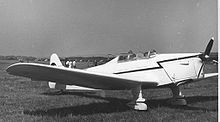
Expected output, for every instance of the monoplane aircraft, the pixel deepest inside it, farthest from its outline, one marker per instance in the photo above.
(125, 72)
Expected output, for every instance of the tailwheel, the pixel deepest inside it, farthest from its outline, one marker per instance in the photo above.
(178, 98)
(138, 102)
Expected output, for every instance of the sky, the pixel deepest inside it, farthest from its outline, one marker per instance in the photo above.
(89, 27)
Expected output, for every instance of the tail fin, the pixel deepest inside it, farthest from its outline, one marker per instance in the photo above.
(55, 61)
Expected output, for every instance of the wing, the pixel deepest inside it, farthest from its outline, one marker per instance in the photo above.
(206, 76)
(78, 77)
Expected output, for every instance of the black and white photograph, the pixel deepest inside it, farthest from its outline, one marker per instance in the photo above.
(109, 60)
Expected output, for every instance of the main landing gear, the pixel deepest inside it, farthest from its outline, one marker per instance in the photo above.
(178, 98)
(138, 101)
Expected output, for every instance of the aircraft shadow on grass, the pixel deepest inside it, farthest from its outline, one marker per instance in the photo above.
(116, 105)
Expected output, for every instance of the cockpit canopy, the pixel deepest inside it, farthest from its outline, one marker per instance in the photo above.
(136, 56)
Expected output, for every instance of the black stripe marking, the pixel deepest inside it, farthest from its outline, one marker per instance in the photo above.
(159, 67)
(138, 70)
(178, 58)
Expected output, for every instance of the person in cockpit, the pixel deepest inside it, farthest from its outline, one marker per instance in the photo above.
(150, 54)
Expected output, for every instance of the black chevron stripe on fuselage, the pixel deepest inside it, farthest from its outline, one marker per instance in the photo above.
(153, 68)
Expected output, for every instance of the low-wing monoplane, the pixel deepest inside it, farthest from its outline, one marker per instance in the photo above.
(125, 72)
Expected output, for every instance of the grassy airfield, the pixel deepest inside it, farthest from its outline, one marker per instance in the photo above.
(24, 100)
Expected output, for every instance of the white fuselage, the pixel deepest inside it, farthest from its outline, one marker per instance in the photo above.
(163, 68)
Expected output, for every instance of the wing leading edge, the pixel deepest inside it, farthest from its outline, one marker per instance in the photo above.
(206, 76)
(78, 77)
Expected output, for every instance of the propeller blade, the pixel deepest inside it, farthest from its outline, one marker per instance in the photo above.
(204, 56)
(208, 48)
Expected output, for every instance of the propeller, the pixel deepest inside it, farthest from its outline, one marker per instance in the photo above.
(207, 52)
(204, 56)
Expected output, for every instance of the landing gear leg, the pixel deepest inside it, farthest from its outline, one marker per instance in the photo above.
(138, 100)
(178, 98)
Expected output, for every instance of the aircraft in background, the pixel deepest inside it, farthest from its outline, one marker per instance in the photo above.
(125, 72)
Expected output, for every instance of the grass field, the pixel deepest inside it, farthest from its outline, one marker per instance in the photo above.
(24, 100)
